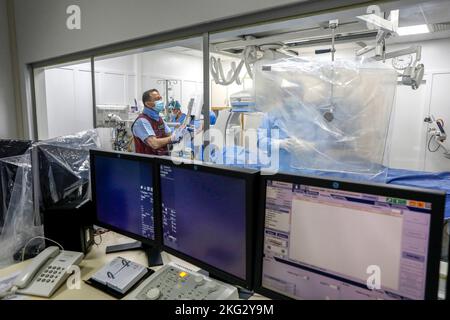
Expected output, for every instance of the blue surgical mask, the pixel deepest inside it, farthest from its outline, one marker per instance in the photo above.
(159, 106)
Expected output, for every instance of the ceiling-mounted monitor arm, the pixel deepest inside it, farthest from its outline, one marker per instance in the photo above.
(417, 50)
(389, 25)
(386, 28)
(413, 75)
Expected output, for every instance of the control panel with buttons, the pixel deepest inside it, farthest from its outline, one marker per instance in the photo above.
(172, 282)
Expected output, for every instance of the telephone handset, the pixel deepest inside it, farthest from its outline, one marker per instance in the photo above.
(28, 274)
(47, 272)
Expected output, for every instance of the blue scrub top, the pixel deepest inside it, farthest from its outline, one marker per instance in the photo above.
(271, 121)
(180, 120)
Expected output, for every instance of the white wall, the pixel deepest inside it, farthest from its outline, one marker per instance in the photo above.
(63, 100)
(187, 70)
(64, 94)
(115, 80)
(173, 65)
(7, 103)
(409, 131)
(120, 80)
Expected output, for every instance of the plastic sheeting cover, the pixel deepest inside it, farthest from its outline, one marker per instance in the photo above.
(12, 148)
(21, 221)
(9, 148)
(64, 168)
(69, 155)
(337, 114)
(8, 171)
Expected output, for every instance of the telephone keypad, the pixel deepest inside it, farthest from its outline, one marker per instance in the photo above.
(50, 274)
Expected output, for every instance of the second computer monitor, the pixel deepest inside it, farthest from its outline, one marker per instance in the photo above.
(207, 218)
(325, 239)
(122, 191)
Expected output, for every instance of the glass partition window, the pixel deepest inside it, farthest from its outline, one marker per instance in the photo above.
(174, 69)
(311, 72)
(320, 80)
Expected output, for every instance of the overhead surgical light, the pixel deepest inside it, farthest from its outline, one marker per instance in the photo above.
(413, 30)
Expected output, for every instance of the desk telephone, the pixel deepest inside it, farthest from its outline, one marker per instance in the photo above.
(47, 272)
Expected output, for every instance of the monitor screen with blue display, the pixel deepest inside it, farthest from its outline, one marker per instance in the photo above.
(124, 195)
(204, 217)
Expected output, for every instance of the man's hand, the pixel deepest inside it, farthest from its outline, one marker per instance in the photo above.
(178, 134)
(156, 143)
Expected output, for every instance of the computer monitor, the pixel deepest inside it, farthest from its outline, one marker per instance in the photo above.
(8, 172)
(63, 174)
(328, 239)
(208, 218)
(122, 193)
(12, 148)
(9, 149)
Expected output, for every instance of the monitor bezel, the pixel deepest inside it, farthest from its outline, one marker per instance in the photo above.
(157, 219)
(250, 177)
(437, 198)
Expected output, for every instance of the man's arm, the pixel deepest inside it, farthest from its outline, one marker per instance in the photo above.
(167, 130)
(143, 130)
(157, 143)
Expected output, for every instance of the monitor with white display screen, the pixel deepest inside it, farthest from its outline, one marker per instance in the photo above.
(325, 239)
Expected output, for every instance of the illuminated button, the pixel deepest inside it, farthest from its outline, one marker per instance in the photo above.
(183, 274)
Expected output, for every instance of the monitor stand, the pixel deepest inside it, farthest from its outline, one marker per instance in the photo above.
(244, 294)
(153, 254)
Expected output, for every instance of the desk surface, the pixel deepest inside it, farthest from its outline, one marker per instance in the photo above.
(95, 260)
